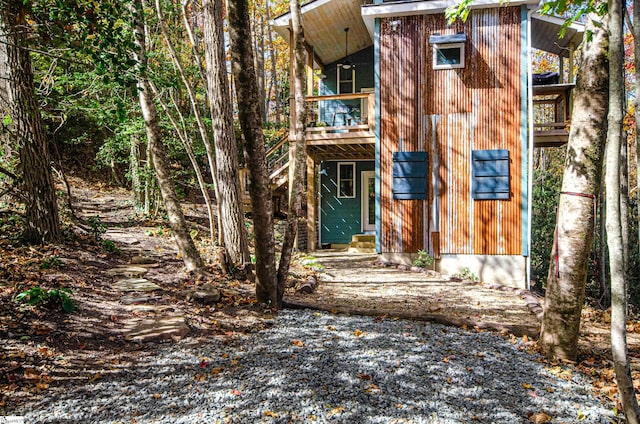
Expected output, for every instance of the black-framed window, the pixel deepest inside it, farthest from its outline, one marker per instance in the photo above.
(347, 179)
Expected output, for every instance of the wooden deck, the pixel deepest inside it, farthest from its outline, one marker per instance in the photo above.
(552, 112)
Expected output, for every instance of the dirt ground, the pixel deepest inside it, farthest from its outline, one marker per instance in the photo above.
(43, 349)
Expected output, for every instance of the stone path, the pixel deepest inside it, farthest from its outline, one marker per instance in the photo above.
(356, 283)
(129, 280)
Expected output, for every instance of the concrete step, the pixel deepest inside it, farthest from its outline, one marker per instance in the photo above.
(363, 244)
(362, 250)
(369, 238)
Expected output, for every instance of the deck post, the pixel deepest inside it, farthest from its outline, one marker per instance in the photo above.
(311, 204)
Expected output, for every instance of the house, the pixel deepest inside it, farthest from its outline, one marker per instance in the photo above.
(421, 133)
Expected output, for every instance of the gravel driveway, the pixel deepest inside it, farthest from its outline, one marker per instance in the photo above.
(318, 367)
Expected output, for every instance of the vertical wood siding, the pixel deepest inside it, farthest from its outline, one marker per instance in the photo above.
(449, 113)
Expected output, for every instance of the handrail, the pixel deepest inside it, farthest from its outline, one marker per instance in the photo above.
(350, 96)
(284, 139)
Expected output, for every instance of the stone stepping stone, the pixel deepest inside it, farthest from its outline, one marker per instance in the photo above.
(148, 329)
(127, 271)
(144, 260)
(133, 299)
(135, 284)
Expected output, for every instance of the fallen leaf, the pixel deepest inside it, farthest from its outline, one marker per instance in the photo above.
(95, 377)
(157, 395)
(271, 414)
(357, 333)
(298, 343)
(336, 410)
(364, 376)
(217, 370)
(540, 418)
(236, 392)
(331, 328)
(525, 385)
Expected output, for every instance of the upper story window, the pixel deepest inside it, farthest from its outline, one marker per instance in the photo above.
(448, 51)
(346, 179)
(346, 79)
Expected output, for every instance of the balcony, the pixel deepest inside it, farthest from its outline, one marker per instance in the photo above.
(342, 126)
(551, 114)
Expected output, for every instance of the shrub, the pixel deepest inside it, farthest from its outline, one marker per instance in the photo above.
(423, 260)
(54, 298)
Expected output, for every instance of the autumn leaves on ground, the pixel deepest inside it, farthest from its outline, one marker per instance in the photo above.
(43, 349)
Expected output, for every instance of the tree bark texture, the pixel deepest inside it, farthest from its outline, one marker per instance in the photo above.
(575, 216)
(636, 112)
(226, 150)
(251, 125)
(297, 166)
(177, 221)
(27, 131)
(614, 215)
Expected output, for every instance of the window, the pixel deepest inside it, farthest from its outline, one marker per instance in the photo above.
(448, 56)
(346, 79)
(490, 174)
(346, 179)
(409, 175)
(448, 50)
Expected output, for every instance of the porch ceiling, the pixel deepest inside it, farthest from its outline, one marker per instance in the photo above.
(544, 35)
(341, 151)
(324, 22)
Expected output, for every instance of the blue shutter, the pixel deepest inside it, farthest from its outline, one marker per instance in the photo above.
(490, 174)
(409, 175)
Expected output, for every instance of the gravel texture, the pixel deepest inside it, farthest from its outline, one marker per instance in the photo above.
(313, 367)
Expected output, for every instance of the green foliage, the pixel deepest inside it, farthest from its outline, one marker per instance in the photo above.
(423, 260)
(311, 262)
(458, 11)
(547, 180)
(52, 262)
(97, 227)
(110, 246)
(466, 274)
(54, 298)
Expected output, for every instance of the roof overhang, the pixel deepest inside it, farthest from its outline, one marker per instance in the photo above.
(407, 8)
(545, 31)
(324, 22)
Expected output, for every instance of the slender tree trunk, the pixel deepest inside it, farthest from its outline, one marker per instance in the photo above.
(42, 222)
(298, 164)
(273, 92)
(575, 218)
(635, 28)
(201, 127)
(614, 220)
(226, 149)
(249, 114)
(186, 247)
(134, 169)
(188, 147)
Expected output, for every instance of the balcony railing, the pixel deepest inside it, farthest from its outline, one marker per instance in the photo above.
(341, 116)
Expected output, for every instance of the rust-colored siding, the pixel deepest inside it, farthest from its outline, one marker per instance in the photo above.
(449, 113)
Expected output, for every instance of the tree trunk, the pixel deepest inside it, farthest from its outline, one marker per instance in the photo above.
(26, 127)
(575, 218)
(226, 149)
(636, 112)
(177, 221)
(188, 147)
(201, 127)
(134, 169)
(614, 215)
(298, 164)
(249, 115)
